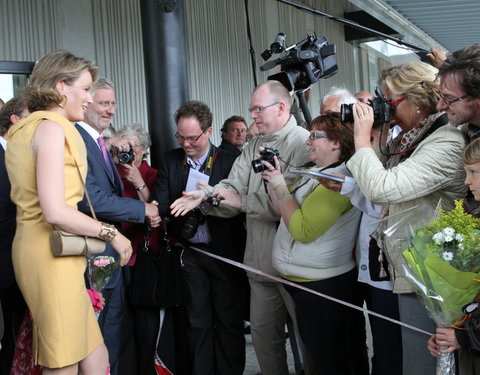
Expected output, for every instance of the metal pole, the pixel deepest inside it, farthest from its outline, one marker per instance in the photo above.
(166, 75)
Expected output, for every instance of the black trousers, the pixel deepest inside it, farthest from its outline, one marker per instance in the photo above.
(333, 334)
(387, 336)
(13, 307)
(215, 309)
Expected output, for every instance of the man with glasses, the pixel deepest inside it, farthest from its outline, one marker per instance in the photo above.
(105, 188)
(244, 191)
(460, 89)
(215, 307)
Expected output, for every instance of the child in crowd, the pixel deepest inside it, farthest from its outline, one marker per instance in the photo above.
(467, 339)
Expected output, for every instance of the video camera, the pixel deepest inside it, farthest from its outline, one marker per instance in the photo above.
(382, 109)
(306, 62)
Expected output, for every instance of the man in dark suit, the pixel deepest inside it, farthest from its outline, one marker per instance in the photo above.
(105, 189)
(234, 134)
(11, 298)
(214, 297)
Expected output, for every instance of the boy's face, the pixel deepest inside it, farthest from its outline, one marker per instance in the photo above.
(473, 179)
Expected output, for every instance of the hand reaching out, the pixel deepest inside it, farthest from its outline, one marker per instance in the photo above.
(187, 202)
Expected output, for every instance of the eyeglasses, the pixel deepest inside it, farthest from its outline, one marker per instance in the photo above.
(260, 109)
(191, 140)
(452, 100)
(314, 135)
(106, 103)
(395, 103)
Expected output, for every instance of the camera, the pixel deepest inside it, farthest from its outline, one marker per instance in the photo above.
(306, 62)
(215, 202)
(267, 154)
(381, 110)
(193, 220)
(126, 157)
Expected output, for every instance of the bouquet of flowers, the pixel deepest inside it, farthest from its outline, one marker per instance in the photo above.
(443, 264)
(100, 269)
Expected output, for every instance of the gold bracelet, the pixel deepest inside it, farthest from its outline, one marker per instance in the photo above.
(108, 232)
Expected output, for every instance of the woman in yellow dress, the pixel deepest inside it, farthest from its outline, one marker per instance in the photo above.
(42, 153)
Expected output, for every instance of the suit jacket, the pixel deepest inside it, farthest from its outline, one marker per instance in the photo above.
(227, 235)
(7, 226)
(106, 194)
(230, 147)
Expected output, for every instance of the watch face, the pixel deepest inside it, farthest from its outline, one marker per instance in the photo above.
(471, 307)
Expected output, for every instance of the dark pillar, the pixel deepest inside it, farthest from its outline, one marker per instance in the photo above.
(163, 31)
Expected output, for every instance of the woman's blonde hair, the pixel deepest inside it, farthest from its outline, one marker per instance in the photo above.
(417, 82)
(41, 93)
(471, 155)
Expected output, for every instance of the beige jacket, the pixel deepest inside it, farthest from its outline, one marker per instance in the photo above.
(261, 218)
(412, 189)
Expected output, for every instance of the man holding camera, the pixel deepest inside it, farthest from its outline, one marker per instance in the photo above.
(105, 189)
(214, 298)
(245, 191)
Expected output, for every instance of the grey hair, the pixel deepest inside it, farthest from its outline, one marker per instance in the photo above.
(102, 83)
(344, 96)
(139, 131)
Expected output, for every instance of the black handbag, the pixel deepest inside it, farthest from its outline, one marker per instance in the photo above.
(157, 279)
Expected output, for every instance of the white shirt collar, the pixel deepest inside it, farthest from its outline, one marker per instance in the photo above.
(90, 130)
(3, 142)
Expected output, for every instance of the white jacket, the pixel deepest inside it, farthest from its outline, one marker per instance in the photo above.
(412, 189)
(328, 255)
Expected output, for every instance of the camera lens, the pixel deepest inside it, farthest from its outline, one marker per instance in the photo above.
(258, 166)
(126, 157)
(194, 219)
(346, 113)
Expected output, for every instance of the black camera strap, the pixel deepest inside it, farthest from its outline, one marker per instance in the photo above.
(206, 167)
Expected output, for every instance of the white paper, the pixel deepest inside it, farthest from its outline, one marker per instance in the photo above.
(194, 177)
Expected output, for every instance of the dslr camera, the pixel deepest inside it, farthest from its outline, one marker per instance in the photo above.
(381, 110)
(126, 157)
(194, 219)
(267, 154)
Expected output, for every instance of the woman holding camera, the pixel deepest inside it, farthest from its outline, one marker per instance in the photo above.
(313, 248)
(47, 164)
(422, 166)
(137, 176)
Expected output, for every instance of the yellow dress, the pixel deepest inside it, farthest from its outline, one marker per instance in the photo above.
(65, 329)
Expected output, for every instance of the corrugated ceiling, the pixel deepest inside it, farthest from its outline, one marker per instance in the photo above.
(452, 23)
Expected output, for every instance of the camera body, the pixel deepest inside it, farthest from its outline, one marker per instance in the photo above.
(126, 157)
(306, 62)
(268, 155)
(382, 109)
(193, 220)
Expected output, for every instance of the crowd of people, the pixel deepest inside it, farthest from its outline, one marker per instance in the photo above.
(204, 201)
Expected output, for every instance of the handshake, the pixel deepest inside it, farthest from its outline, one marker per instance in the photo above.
(151, 214)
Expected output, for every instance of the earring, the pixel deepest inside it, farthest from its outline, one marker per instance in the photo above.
(418, 112)
(63, 102)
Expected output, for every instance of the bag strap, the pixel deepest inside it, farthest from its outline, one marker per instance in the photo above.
(86, 191)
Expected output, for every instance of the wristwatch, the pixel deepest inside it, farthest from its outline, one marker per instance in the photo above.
(140, 188)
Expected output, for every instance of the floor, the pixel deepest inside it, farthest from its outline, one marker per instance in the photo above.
(251, 363)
